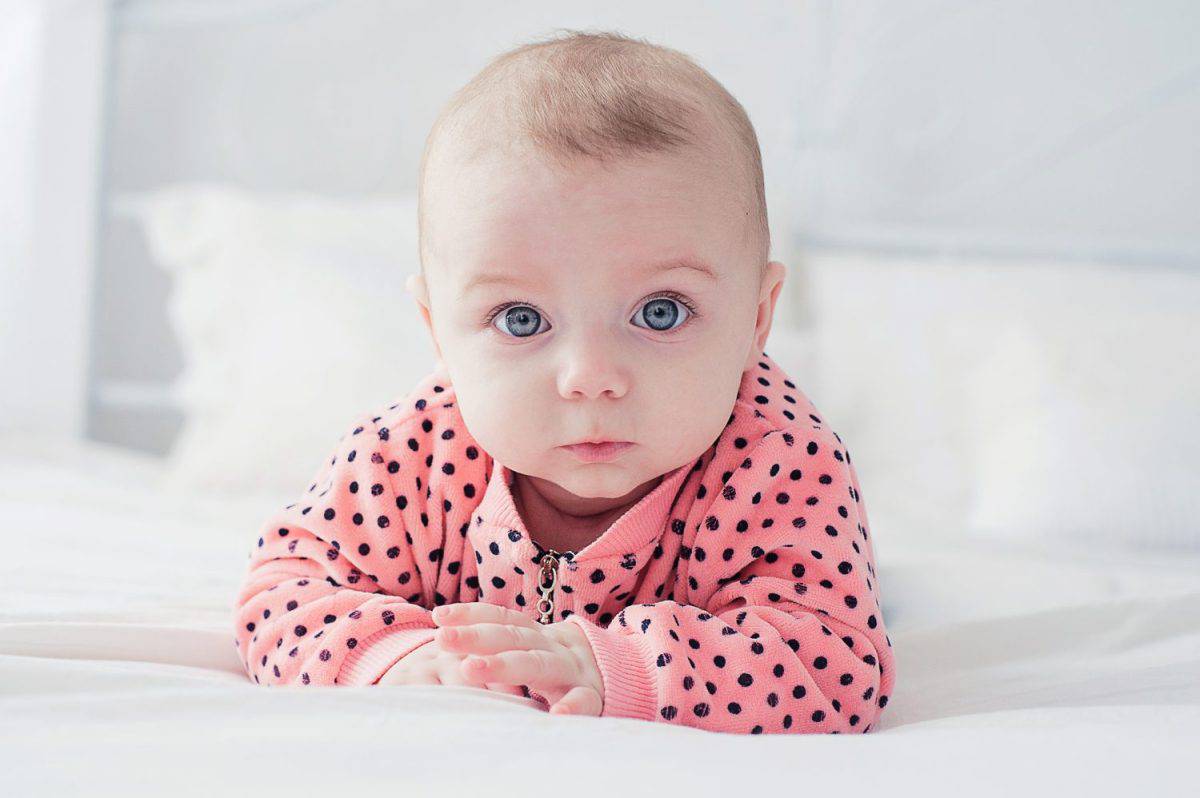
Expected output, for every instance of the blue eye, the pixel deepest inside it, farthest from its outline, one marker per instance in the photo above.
(661, 312)
(522, 320)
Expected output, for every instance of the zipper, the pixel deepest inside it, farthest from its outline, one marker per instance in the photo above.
(549, 573)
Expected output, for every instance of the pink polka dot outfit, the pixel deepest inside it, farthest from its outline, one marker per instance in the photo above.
(739, 595)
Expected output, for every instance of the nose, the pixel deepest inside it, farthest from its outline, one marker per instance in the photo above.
(592, 367)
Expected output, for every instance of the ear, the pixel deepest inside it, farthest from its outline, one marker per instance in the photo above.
(772, 284)
(415, 285)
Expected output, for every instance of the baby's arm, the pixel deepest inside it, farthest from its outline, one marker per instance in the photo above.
(333, 593)
(776, 625)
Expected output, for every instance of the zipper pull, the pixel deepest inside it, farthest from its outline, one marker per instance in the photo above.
(547, 582)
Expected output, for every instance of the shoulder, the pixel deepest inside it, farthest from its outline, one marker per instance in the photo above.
(423, 432)
(431, 399)
(771, 411)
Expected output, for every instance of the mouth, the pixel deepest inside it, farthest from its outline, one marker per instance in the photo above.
(598, 451)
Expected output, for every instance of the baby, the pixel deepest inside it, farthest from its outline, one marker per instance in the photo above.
(607, 498)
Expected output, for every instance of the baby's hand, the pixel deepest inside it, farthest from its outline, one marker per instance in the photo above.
(504, 646)
(429, 663)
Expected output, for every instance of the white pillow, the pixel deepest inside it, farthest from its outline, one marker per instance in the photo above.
(889, 380)
(293, 318)
(1017, 401)
(1085, 410)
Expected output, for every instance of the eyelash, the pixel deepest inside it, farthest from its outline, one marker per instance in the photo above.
(680, 298)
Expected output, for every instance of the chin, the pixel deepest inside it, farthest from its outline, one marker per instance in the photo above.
(585, 482)
(616, 483)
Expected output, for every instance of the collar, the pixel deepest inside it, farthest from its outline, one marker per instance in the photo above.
(638, 527)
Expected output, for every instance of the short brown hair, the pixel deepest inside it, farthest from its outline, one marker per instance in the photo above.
(602, 95)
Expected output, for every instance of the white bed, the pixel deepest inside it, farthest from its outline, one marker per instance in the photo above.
(1017, 668)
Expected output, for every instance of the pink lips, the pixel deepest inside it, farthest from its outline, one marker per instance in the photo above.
(598, 452)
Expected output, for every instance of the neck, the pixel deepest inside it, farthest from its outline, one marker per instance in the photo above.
(544, 505)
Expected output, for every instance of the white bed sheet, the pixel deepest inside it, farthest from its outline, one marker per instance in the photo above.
(1052, 671)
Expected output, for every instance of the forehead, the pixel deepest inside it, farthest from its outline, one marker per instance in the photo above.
(698, 268)
(521, 214)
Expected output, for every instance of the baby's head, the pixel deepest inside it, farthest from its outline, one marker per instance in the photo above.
(594, 257)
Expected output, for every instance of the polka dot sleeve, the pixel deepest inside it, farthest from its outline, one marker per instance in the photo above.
(330, 596)
(775, 624)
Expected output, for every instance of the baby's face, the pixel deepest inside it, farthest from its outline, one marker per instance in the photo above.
(550, 305)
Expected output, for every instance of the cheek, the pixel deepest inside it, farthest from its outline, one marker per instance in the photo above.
(499, 415)
(681, 379)
(698, 402)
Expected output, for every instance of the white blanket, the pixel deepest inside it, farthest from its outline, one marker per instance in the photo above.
(1019, 671)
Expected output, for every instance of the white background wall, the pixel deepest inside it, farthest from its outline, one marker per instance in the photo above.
(52, 57)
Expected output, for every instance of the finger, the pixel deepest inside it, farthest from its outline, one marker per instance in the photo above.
(479, 612)
(534, 667)
(511, 689)
(579, 700)
(450, 672)
(490, 638)
(490, 687)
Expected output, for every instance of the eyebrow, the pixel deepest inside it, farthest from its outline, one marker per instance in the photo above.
(692, 264)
